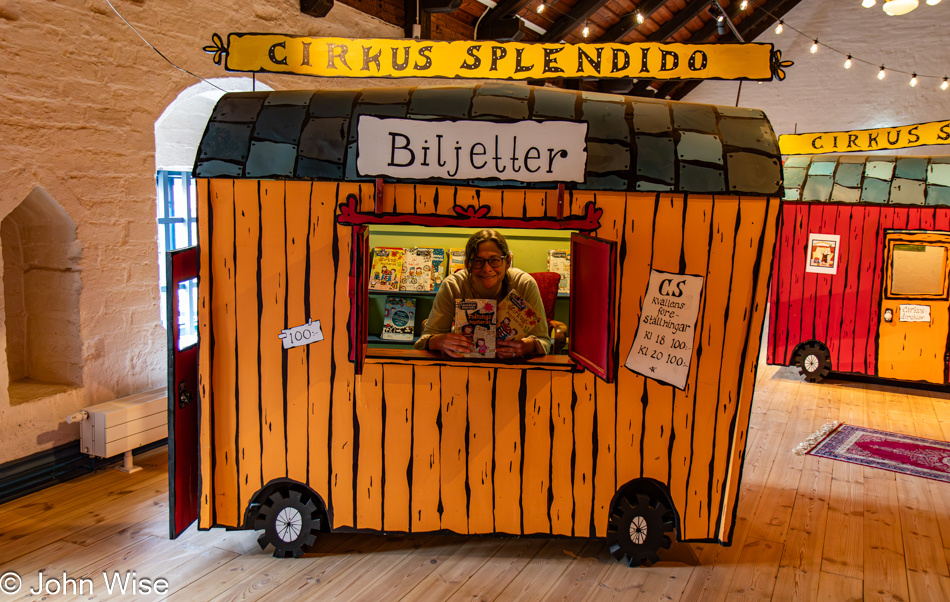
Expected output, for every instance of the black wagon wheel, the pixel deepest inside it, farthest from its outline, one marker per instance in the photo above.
(814, 361)
(637, 528)
(290, 522)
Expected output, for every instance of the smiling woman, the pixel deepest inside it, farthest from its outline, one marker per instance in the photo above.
(489, 275)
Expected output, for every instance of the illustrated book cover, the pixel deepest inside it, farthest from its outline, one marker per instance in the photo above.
(387, 268)
(399, 319)
(475, 318)
(456, 260)
(438, 268)
(416, 270)
(560, 261)
(516, 317)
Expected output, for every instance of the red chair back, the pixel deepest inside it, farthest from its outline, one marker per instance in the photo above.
(547, 284)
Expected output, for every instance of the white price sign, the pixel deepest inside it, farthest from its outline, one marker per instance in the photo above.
(663, 347)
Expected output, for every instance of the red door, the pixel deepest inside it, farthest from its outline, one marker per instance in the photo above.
(182, 287)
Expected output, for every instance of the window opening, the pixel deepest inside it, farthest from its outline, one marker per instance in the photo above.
(177, 229)
(918, 270)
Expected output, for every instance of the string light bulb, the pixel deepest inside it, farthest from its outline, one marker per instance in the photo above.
(639, 18)
(945, 84)
(933, 2)
(868, 3)
(541, 8)
(881, 73)
(779, 27)
(913, 80)
(847, 62)
(814, 47)
(586, 31)
(745, 4)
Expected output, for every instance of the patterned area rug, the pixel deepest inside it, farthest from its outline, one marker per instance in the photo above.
(881, 449)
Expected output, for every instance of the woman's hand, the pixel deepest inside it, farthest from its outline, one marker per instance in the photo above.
(452, 344)
(514, 348)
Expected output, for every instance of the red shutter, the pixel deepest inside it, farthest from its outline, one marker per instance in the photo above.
(593, 287)
(359, 296)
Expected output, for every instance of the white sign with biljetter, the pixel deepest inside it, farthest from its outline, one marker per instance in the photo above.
(663, 346)
(523, 151)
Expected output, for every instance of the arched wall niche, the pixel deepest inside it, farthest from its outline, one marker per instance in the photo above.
(41, 288)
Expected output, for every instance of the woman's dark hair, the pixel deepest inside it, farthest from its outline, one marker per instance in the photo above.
(487, 235)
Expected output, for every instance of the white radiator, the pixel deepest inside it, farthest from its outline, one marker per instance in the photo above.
(121, 425)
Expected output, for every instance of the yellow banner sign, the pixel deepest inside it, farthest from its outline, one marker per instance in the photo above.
(862, 141)
(341, 57)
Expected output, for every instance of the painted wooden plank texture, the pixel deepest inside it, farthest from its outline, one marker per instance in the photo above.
(809, 313)
(369, 481)
(204, 212)
(796, 275)
(536, 476)
(397, 446)
(698, 519)
(509, 409)
(868, 299)
(247, 339)
(481, 441)
(584, 408)
(323, 200)
(273, 285)
(562, 450)
(636, 256)
(697, 234)
(223, 357)
(454, 450)
(838, 283)
(426, 448)
(297, 215)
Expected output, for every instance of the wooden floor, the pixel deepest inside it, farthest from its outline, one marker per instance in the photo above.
(808, 529)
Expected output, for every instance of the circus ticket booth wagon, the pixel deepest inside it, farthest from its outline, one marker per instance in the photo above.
(636, 434)
(860, 282)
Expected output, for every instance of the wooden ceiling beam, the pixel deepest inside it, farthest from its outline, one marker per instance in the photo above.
(503, 9)
(629, 22)
(564, 25)
(750, 28)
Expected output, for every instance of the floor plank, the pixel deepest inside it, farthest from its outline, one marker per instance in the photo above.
(806, 529)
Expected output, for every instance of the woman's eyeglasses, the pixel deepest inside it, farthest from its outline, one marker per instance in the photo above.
(495, 262)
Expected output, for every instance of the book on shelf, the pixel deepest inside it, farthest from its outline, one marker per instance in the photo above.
(399, 319)
(387, 269)
(560, 261)
(516, 317)
(456, 260)
(416, 270)
(475, 318)
(438, 268)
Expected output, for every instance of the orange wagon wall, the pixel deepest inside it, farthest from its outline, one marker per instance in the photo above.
(422, 446)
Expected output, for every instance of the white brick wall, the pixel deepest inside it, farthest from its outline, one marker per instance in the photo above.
(81, 94)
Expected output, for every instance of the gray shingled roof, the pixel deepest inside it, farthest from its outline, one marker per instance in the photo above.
(633, 144)
(877, 179)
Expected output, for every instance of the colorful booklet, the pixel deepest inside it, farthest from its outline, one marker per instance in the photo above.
(387, 268)
(456, 260)
(516, 317)
(416, 270)
(560, 262)
(399, 319)
(438, 268)
(475, 318)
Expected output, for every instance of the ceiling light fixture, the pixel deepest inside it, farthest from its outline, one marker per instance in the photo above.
(881, 73)
(586, 31)
(780, 27)
(847, 62)
(814, 47)
(913, 80)
(945, 84)
(639, 18)
(541, 8)
(899, 7)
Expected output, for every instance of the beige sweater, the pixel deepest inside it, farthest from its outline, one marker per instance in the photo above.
(461, 286)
